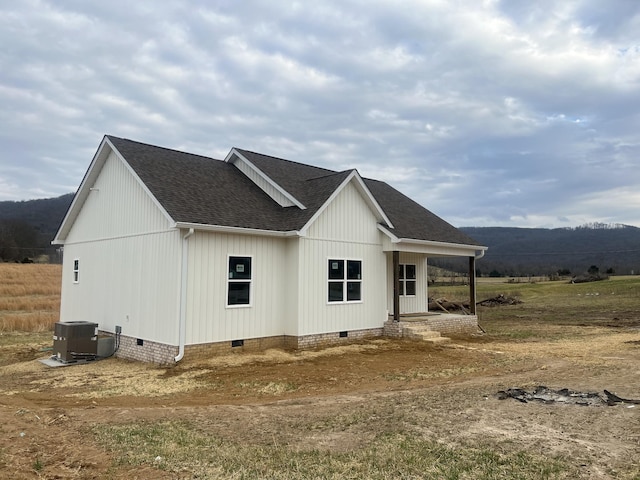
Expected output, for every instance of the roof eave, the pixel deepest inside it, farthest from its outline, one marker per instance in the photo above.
(431, 247)
(238, 230)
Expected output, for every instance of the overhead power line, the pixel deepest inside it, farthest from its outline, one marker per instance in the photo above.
(523, 254)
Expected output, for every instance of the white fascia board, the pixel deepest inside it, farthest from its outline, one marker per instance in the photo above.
(237, 230)
(431, 243)
(364, 191)
(391, 236)
(234, 156)
(431, 246)
(142, 184)
(99, 159)
(370, 199)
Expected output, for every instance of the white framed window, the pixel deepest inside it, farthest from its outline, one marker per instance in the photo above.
(344, 280)
(239, 281)
(76, 270)
(407, 280)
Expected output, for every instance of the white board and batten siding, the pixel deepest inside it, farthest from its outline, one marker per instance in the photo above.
(418, 303)
(209, 319)
(132, 251)
(346, 230)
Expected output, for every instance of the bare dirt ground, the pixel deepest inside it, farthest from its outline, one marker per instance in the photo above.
(48, 415)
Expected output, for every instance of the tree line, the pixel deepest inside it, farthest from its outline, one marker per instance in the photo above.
(522, 252)
(27, 228)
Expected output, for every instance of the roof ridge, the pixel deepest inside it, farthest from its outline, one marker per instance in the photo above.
(331, 174)
(284, 160)
(162, 148)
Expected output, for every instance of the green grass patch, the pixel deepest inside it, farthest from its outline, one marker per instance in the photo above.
(612, 302)
(182, 448)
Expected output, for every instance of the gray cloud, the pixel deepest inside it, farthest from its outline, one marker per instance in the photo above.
(488, 113)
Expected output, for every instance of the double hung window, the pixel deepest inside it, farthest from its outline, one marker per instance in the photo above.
(76, 271)
(345, 280)
(407, 280)
(239, 281)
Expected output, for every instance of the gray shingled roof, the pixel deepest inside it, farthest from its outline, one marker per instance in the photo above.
(412, 220)
(203, 190)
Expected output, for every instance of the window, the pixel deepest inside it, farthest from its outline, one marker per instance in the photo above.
(239, 281)
(345, 280)
(76, 271)
(407, 280)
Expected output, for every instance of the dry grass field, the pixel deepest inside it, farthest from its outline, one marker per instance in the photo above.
(29, 297)
(379, 409)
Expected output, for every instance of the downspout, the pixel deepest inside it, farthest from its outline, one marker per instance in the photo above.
(182, 321)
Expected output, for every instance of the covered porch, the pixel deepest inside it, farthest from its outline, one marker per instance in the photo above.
(408, 305)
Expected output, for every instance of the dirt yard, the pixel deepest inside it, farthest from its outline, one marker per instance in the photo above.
(48, 416)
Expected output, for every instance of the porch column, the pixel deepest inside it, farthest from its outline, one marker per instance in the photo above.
(396, 286)
(472, 285)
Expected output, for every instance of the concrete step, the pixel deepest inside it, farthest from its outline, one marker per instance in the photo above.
(424, 333)
(408, 330)
(422, 328)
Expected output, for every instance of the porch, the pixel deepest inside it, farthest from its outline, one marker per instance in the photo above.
(430, 325)
(408, 293)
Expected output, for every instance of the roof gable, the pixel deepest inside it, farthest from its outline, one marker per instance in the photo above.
(105, 148)
(259, 193)
(351, 177)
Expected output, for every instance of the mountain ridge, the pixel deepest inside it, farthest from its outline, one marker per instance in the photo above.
(27, 228)
(517, 251)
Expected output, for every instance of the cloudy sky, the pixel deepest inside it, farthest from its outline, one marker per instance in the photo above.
(488, 113)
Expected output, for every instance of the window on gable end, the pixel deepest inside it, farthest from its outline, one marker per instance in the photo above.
(76, 270)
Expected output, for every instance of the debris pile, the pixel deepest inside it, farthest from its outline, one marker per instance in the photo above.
(499, 300)
(447, 306)
(564, 395)
(590, 277)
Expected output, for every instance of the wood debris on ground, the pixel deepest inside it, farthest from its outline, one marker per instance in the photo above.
(499, 300)
(564, 395)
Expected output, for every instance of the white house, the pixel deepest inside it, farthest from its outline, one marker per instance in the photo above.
(178, 252)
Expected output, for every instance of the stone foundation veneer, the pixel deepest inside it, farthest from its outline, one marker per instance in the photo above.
(286, 342)
(446, 324)
(153, 352)
(334, 338)
(163, 354)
